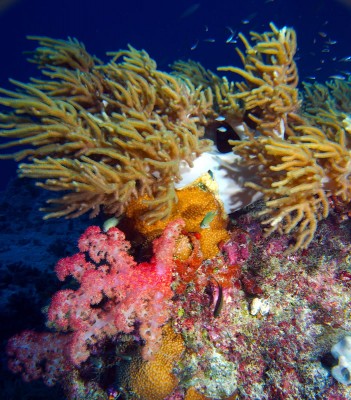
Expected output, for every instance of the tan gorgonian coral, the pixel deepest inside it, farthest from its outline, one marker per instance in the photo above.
(329, 106)
(104, 133)
(269, 93)
(302, 155)
(225, 103)
(291, 182)
(296, 178)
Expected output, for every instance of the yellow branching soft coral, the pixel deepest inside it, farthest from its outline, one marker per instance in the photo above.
(104, 133)
(112, 136)
(225, 103)
(154, 379)
(296, 178)
(269, 92)
(301, 155)
(329, 107)
(291, 181)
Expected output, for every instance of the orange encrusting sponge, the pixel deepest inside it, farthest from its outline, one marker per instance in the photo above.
(198, 205)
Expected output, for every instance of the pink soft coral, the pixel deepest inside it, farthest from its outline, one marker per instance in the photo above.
(115, 294)
(39, 355)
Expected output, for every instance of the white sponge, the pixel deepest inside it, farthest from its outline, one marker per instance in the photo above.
(342, 352)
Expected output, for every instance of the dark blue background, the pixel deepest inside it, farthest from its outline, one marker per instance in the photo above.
(157, 26)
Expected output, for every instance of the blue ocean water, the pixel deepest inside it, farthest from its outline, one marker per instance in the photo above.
(173, 30)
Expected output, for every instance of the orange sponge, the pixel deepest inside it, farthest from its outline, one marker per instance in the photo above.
(198, 205)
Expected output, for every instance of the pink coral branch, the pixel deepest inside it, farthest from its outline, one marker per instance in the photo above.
(115, 292)
(39, 355)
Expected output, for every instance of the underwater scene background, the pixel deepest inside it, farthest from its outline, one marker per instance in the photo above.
(175, 197)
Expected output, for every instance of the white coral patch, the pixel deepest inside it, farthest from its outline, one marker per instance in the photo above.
(259, 306)
(229, 174)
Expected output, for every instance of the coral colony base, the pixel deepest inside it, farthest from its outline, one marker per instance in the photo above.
(174, 299)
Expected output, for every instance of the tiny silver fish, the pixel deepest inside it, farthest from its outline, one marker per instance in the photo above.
(232, 34)
(193, 47)
(340, 77)
(210, 40)
(220, 118)
(222, 129)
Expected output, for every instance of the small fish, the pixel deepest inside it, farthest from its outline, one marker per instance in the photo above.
(331, 42)
(326, 50)
(110, 223)
(193, 47)
(220, 118)
(249, 18)
(311, 77)
(190, 10)
(322, 34)
(206, 28)
(210, 40)
(211, 174)
(209, 217)
(345, 59)
(340, 77)
(232, 34)
(222, 129)
(219, 303)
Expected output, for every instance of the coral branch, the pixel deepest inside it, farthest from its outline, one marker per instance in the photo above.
(115, 292)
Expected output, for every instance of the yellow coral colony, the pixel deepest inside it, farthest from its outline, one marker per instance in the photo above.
(104, 133)
(300, 165)
(154, 379)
